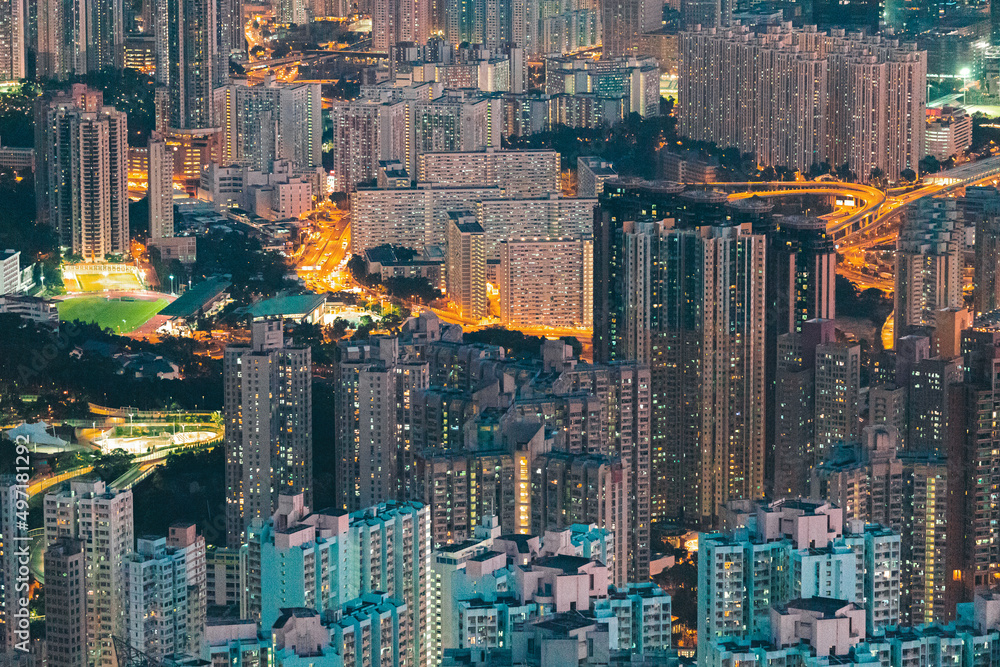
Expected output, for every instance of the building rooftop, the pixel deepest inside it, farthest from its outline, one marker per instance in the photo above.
(523, 542)
(456, 547)
(293, 612)
(195, 299)
(294, 306)
(470, 227)
(565, 622)
(598, 166)
(826, 606)
(568, 564)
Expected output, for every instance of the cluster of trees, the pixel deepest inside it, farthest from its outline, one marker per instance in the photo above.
(931, 165)
(871, 303)
(127, 90)
(255, 273)
(190, 486)
(515, 343)
(20, 230)
(406, 289)
(985, 133)
(130, 91)
(631, 145)
(36, 360)
(17, 118)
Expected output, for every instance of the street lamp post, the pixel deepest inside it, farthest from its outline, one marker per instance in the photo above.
(171, 285)
(964, 73)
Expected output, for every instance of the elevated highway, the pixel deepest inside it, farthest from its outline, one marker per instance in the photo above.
(872, 208)
(844, 222)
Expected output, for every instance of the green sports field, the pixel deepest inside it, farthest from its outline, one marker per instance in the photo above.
(109, 313)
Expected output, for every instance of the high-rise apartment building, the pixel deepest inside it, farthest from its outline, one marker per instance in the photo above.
(103, 23)
(632, 80)
(483, 588)
(268, 416)
(292, 11)
(591, 174)
(375, 388)
(570, 488)
(877, 482)
(492, 23)
(186, 59)
(165, 598)
(268, 122)
(403, 123)
(365, 132)
(546, 282)
(790, 550)
(490, 69)
(160, 188)
(889, 77)
(417, 217)
(456, 121)
(73, 38)
(300, 125)
(706, 13)
(193, 150)
(231, 37)
(624, 21)
(239, 643)
(813, 96)
(312, 552)
(974, 455)
(81, 178)
(526, 174)
(929, 587)
(226, 578)
(818, 384)
(795, 65)
(887, 405)
(986, 294)
(928, 265)
(793, 431)
(690, 303)
(372, 566)
(466, 266)
(838, 387)
(555, 28)
(548, 217)
(930, 386)
(801, 631)
(410, 217)
(395, 21)
(864, 479)
(804, 262)
(66, 617)
(467, 443)
(13, 39)
(394, 543)
(58, 56)
(393, 540)
(101, 519)
(802, 271)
